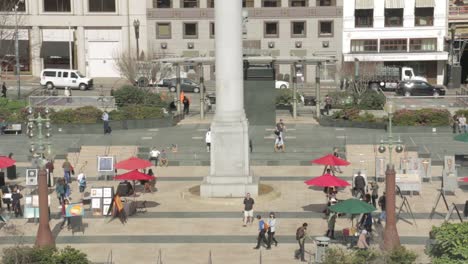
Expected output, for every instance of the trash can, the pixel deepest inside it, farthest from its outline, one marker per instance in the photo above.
(321, 248)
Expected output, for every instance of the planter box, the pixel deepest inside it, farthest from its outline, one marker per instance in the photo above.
(116, 125)
(284, 107)
(329, 122)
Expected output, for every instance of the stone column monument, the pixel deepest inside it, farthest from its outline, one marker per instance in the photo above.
(229, 172)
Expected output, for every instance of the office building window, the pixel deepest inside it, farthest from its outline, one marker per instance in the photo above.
(271, 3)
(326, 3)
(424, 16)
(393, 17)
(271, 30)
(212, 29)
(423, 44)
(9, 5)
(364, 17)
(363, 45)
(247, 3)
(57, 6)
(294, 3)
(190, 30)
(298, 29)
(101, 5)
(325, 28)
(163, 30)
(393, 45)
(162, 3)
(211, 3)
(189, 4)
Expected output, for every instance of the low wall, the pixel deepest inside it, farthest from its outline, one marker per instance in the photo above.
(329, 122)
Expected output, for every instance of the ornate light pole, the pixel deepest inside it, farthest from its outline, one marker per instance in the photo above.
(391, 238)
(136, 24)
(40, 147)
(18, 67)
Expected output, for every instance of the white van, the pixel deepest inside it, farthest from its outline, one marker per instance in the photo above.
(62, 78)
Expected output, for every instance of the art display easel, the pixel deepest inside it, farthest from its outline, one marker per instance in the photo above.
(441, 194)
(453, 207)
(406, 204)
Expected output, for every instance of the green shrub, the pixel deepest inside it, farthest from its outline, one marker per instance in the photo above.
(11, 110)
(48, 255)
(346, 114)
(285, 97)
(137, 112)
(82, 115)
(372, 100)
(341, 99)
(366, 117)
(462, 112)
(399, 255)
(451, 242)
(422, 117)
(131, 95)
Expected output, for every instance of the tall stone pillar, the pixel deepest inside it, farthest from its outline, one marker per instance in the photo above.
(230, 171)
(36, 43)
(81, 55)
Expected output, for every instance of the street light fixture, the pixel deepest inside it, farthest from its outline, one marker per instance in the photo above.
(136, 25)
(391, 238)
(18, 67)
(39, 132)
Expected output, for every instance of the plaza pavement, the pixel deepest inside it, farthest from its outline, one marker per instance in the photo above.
(186, 228)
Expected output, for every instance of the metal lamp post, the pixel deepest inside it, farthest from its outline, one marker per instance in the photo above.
(391, 238)
(40, 147)
(136, 24)
(17, 66)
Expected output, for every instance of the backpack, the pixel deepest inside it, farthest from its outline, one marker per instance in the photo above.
(266, 226)
(300, 233)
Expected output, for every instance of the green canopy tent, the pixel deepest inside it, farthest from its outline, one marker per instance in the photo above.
(353, 207)
(461, 137)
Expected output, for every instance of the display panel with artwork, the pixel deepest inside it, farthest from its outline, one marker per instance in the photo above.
(31, 177)
(105, 164)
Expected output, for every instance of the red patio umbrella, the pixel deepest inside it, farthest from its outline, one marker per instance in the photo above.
(327, 180)
(134, 175)
(133, 163)
(464, 179)
(330, 160)
(6, 162)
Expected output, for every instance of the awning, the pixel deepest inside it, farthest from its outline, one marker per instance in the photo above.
(425, 3)
(394, 3)
(7, 48)
(364, 4)
(57, 49)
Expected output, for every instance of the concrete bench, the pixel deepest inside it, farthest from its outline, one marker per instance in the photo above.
(13, 128)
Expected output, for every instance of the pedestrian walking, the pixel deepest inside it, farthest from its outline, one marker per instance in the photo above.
(105, 120)
(336, 154)
(328, 104)
(6, 197)
(154, 156)
(359, 185)
(50, 172)
(462, 124)
(208, 140)
(66, 219)
(81, 179)
(366, 222)
(163, 161)
(301, 235)
(67, 93)
(186, 103)
(262, 229)
(60, 190)
(272, 229)
(454, 123)
(248, 209)
(375, 193)
(67, 171)
(4, 90)
(383, 206)
(362, 241)
(280, 126)
(16, 202)
(279, 144)
(331, 225)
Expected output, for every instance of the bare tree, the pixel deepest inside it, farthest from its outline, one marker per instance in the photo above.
(8, 21)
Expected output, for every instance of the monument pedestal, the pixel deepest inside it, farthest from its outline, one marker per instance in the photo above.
(225, 189)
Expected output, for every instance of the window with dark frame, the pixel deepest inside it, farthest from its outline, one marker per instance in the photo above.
(423, 45)
(326, 3)
(211, 3)
(393, 45)
(101, 5)
(271, 3)
(271, 30)
(163, 30)
(247, 3)
(190, 30)
(298, 29)
(162, 3)
(212, 29)
(9, 5)
(424, 16)
(393, 17)
(297, 3)
(364, 18)
(57, 6)
(325, 28)
(189, 4)
(364, 45)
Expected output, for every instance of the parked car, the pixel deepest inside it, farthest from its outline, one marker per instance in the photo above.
(62, 78)
(421, 88)
(281, 85)
(186, 85)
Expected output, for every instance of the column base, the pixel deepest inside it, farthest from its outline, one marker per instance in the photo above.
(229, 187)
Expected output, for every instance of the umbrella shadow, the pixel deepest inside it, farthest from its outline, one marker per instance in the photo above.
(147, 204)
(318, 208)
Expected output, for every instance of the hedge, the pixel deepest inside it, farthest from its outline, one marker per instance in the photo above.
(48, 255)
(422, 117)
(451, 242)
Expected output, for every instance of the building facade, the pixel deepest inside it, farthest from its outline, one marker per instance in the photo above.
(397, 32)
(458, 23)
(185, 28)
(95, 32)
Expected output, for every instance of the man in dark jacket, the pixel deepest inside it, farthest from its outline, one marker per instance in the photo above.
(360, 184)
